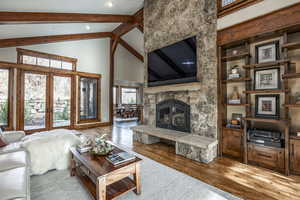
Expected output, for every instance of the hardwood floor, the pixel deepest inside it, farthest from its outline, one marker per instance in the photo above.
(245, 181)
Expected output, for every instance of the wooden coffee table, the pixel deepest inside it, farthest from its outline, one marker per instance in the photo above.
(102, 179)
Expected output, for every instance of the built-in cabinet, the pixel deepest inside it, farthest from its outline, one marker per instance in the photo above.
(234, 141)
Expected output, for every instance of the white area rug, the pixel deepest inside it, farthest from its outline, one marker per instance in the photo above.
(159, 182)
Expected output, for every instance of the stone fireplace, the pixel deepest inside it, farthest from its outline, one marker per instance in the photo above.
(173, 114)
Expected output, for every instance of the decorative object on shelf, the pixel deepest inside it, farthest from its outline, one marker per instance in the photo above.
(236, 121)
(298, 98)
(267, 106)
(297, 66)
(265, 138)
(234, 72)
(100, 146)
(235, 97)
(298, 133)
(267, 79)
(267, 52)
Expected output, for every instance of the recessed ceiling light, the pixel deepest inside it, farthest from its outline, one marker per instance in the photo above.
(87, 27)
(109, 4)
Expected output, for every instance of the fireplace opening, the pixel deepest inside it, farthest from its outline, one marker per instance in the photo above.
(173, 114)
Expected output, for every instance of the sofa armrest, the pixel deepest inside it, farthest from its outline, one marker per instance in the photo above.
(13, 136)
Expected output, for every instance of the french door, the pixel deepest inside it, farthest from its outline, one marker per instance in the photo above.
(45, 101)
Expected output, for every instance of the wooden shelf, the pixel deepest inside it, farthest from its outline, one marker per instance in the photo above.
(236, 80)
(264, 91)
(291, 75)
(292, 105)
(235, 57)
(266, 65)
(264, 120)
(237, 104)
(294, 136)
(233, 129)
(291, 46)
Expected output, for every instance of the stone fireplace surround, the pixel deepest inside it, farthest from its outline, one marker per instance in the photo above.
(167, 22)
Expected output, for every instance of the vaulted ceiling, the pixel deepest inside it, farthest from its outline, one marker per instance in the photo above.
(117, 7)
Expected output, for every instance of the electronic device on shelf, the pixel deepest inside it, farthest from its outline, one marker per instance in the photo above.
(265, 138)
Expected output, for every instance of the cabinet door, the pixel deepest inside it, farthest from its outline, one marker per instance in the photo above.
(232, 143)
(295, 156)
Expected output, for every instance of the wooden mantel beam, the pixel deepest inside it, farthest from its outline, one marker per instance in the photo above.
(14, 42)
(43, 17)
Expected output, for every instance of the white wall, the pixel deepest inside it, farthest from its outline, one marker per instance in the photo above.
(253, 11)
(92, 55)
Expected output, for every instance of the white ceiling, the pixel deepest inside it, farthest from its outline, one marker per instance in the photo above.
(128, 7)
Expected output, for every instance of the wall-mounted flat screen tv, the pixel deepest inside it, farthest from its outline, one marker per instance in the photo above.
(173, 64)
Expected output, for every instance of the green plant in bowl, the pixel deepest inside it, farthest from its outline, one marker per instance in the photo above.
(100, 146)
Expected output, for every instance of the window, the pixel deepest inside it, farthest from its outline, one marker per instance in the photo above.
(88, 99)
(129, 95)
(228, 6)
(114, 95)
(227, 2)
(5, 98)
(46, 60)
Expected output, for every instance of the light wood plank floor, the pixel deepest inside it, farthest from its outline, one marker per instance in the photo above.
(245, 181)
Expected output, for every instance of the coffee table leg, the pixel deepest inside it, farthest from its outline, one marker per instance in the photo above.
(137, 178)
(73, 166)
(101, 189)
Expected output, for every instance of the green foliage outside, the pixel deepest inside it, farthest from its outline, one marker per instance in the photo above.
(3, 113)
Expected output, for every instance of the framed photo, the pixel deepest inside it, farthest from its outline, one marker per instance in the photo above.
(267, 79)
(267, 106)
(268, 52)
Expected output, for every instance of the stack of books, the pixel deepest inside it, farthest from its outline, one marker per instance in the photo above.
(234, 101)
(233, 76)
(83, 149)
(120, 158)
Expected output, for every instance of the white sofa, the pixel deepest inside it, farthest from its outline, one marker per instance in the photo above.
(14, 168)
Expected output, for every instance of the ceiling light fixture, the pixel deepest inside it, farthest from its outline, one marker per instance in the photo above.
(109, 4)
(87, 27)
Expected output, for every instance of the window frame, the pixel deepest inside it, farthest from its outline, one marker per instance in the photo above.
(98, 96)
(10, 114)
(129, 87)
(234, 6)
(37, 54)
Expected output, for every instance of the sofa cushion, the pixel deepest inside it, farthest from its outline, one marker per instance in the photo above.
(12, 160)
(12, 147)
(13, 184)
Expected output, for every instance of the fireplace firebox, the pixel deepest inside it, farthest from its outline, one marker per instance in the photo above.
(173, 114)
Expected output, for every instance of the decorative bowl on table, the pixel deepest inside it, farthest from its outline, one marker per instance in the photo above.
(101, 147)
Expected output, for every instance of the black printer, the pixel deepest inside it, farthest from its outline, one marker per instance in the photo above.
(265, 138)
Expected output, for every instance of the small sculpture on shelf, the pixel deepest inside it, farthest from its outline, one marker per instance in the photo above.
(236, 121)
(234, 72)
(235, 98)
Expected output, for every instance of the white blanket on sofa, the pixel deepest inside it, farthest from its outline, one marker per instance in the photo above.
(49, 150)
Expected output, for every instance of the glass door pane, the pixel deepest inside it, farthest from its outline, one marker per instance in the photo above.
(88, 98)
(61, 101)
(4, 84)
(35, 101)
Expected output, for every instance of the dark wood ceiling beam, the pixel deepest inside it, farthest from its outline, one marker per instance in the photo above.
(131, 50)
(169, 62)
(14, 42)
(43, 17)
(153, 73)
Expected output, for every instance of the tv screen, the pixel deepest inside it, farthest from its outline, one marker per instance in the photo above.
(173, 64)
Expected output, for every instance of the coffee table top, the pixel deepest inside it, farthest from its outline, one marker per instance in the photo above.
(98, 165)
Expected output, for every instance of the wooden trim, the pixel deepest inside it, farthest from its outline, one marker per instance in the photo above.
(46, 69)
(45, 55)
(111, 80)
(281, 19)
(93, 125)
(131, 50)
(235, 6)
(13, 42)
(98, 100)
(51, 17)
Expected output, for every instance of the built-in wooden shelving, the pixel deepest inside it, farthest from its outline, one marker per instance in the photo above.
(228, 104)
(233, 129)
(265, 91)
(292, 105)
(235, 57)
(291, 75)
(264, 120)
(291, 45)
(266, 65)
(236, 80)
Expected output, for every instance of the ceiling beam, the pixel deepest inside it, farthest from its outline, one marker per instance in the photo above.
(43, 17)
(131, 50)
(169, 62)
(153, 73)
(126, 27)
(13, 42)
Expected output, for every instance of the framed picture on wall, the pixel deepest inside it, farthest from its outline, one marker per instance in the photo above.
(267, 106)
(267, 79)
(268, 52)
